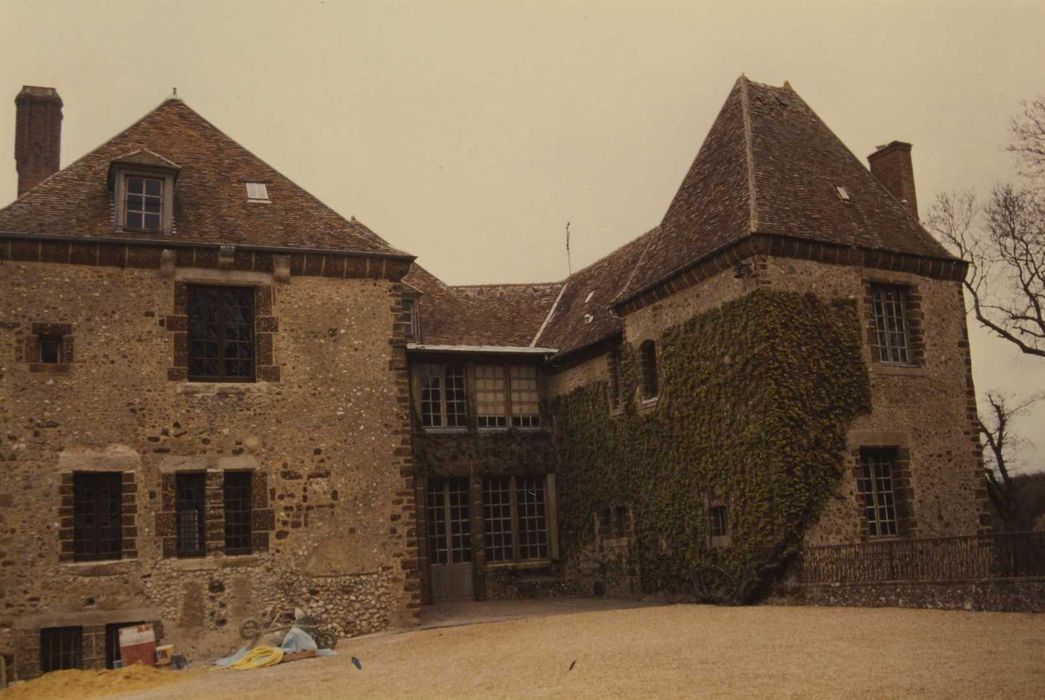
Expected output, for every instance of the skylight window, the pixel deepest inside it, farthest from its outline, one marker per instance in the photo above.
(843, 193)
(257, 192)
(590, 295)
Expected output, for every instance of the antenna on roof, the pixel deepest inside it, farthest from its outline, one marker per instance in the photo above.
(569, 265)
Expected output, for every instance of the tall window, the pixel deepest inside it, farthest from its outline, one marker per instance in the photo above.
(61, 648)
(891, 337)
(490, 398)
(449, 524)
(443, 400)
(97, 533)
(515, 520)
(410, 319)
(648, 362)
(526, 412)
(221, 333)
(143, 204)
(238, 529)
(616, 378)
(190, 490)
(875, 484)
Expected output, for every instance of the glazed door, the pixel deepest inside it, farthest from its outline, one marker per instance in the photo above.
(449, 539)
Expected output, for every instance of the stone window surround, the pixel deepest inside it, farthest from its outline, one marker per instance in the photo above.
(120, 196)
(913, 316)
(128, 513)
(903, 496)
(263, 520)
(265, 325)
(30, 347)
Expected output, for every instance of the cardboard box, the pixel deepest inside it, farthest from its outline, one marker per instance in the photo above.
(138, 645)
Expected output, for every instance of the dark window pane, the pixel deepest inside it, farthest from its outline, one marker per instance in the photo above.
(152, 205)
(533, 532)
(151, 222)
(153, 186)
(238, 528)
(50, 349)
(191, 516)
(97, 532)
(135, 185)
(134, 221)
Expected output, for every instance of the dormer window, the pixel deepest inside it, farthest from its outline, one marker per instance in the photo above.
(142, 183)
(143, 204)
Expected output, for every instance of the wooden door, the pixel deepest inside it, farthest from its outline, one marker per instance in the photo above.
(449, 539)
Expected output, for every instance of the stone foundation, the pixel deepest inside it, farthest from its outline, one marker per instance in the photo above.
(997, 595)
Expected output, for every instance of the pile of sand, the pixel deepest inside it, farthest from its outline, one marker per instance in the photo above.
(75, 683)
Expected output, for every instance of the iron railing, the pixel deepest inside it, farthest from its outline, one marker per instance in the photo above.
(1001, 555)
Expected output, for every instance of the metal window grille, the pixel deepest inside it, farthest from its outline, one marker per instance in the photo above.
(449, 521)
(238, 526)
(143, 203)
(526, 411)
(190, 490)
(97, 527)
(876, 486)
(533, 528)
(717, 521)
(443, 397)
(61, 648)
(890, 323)
(221, 333)
(497, 519)
(491, 404)
(650, 381)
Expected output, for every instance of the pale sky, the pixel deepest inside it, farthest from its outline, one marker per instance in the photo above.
(469, 133)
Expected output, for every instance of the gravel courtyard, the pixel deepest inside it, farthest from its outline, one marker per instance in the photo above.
(672, 651)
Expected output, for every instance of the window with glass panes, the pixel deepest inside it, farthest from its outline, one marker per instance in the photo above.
(221, 333)
(891, 337)
(449, 523)
(238, 510)
(875, 484)
(190, 490)
(526, 411)
(61, 648)
(515, 521)
(443, 402)
(97, 517)
(490, 398)
(143, 203)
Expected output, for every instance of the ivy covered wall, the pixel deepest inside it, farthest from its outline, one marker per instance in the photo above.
(755, 400)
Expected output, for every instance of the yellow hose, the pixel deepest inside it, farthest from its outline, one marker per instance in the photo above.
(259, 657)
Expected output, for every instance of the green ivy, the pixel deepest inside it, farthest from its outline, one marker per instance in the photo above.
(756, 397)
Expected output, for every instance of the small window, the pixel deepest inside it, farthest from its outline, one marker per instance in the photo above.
(515, 521)
(526, 412)
(490, 398)
(717, 521)
(257, 192)
(190, 490)
(97, 521)
(143, 204)
(238, 527)
(221, 333)
(843, 193)
(891, 337)
(616, 378)
(410, 319)
(50, 349)
(61, 648)
(875, 484)
(442, 396)
(648, 359)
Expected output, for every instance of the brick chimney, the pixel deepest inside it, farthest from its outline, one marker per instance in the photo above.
(38, 135)
(891, 164)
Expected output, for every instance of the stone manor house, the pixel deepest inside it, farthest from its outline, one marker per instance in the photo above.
(218, 395)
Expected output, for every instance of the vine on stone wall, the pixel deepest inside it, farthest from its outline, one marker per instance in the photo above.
(755, 400)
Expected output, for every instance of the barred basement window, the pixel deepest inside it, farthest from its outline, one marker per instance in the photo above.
(490, 398)
(190, 490)
(526, 412)
(238, 506)
(97, 533)
(648, 362)
(876, 486)
(449, 524)
(515, 521)
(891, 337)
(221, 333)
(443, 400)
(61, 648)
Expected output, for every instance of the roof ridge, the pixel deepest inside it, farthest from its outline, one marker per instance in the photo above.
(503, 284)
(749, 152)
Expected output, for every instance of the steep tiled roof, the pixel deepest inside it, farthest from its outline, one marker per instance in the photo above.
(489, 315)
(210, 202)
(770, 165)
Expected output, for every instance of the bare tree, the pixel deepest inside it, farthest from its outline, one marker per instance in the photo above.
(1004, 241)
(997, 433)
